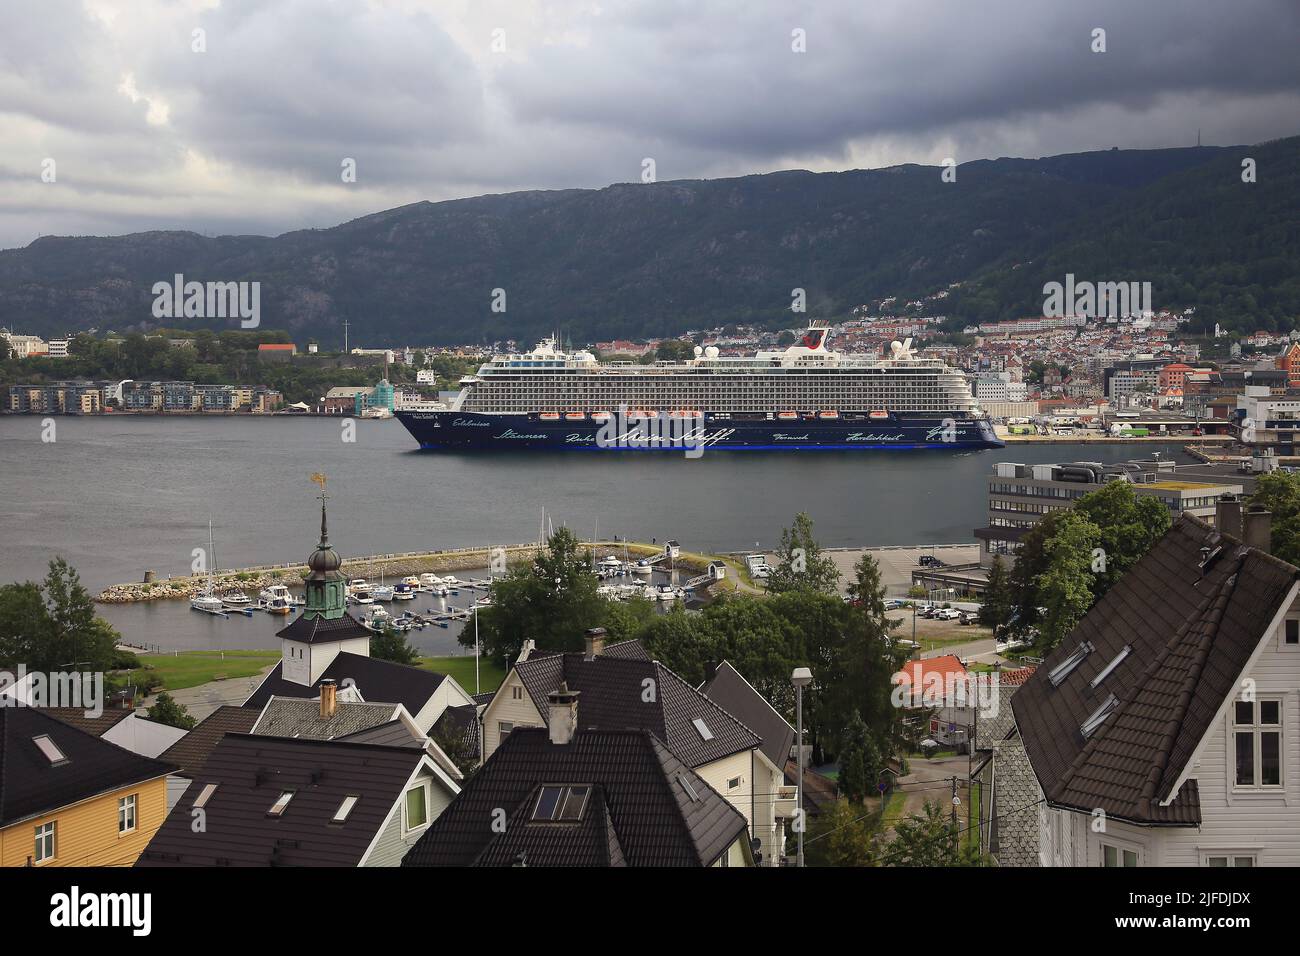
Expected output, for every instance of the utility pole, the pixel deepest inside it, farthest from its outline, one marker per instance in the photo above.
(345, 336)
(956, 841)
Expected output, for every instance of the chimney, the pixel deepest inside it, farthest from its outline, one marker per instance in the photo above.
(1257, 529)
(328, 701)
(1227, 515)
(564, 713)
(595, 643)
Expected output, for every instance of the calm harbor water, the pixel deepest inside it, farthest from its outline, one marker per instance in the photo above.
(119, 496)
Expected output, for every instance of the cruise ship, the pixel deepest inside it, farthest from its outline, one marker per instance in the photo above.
(807, 396)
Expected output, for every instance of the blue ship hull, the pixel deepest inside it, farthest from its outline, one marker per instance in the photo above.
(473, 431)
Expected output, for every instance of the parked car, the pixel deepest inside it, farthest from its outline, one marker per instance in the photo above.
(929, 561)
(969, 617)
(947, 614)
(893, 605)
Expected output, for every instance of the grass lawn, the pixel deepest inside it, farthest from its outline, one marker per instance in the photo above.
(462, 669)
(191, 668)
(894, 808)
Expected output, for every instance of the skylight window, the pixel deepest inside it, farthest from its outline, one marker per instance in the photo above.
(205, 795)
(686, 785)
(1106, 671)
(561, 804)
(703, 728)
(281, 802)
(1098, 716)
(341, 814)
(50, 749)
(1062, 670)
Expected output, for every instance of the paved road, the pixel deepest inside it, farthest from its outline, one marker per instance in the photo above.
(202, 700)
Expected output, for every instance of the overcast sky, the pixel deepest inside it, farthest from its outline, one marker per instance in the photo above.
(439, 99)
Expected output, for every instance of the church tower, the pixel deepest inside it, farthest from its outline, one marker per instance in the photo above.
(324, 629)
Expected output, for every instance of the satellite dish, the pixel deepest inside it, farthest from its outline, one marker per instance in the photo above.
(711, 352)
(698, 351)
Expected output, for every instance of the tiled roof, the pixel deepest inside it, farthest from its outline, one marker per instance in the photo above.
(639, 812)
(395, 733)
(631, 650)
(376, 680)
(30, 784)
(191, 751)
(76, 717)
(1016, 676)
(729, 690)
(1190, 634)
(252, 771)
(318, 630)
(618, 693)
(296, 717)
(458, 725)
(932, 668)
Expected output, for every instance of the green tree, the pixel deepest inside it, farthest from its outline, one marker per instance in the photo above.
(800, 565)
(929, 839)
(1065, 585)
(552, 601)
(390, 644)
(52, 626)
(860, 761)
(166, 710)
(841, 836)
(1279, 493)
(995, 611)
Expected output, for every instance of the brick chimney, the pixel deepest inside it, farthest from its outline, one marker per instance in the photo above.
(595, 643)
(1227, 515)
(563, 719)
(328, 700)
(1257, 528)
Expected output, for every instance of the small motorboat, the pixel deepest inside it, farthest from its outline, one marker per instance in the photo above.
(430, 581)
(276, 599)
(236, 599)
(381, 592)
(404, 592)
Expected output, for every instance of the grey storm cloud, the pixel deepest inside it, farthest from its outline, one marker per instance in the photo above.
(439, 99)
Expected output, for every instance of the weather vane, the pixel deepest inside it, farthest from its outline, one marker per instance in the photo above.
(320, 480)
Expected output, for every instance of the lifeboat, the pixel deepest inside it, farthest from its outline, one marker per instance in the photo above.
(642, 413)
(686, 414)
(787, 416)
(878, 413)
(574, 416)
(828, 414)
(600, 416)
(549, 416)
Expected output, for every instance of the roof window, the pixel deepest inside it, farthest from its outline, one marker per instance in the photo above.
(1062, 670)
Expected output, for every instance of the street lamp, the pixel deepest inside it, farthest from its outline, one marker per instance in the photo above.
(801, 678)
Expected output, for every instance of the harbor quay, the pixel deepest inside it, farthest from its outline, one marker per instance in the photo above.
(390, 566)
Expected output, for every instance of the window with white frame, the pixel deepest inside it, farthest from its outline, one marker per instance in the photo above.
(1257, 743)
(126, 814)
(1229, 858)
(415, 808)
(1112, 854)
(1291, 634)
(45, 842)
(503, 728)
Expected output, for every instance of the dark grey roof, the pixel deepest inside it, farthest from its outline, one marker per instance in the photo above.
(458, 726)
(639, 812)
(631, 650)
(1191, 635)
(190, 752)
(318, 630)
(613, 695)
(76, 716)
(730, 691)
(376, 680)
(30, 784)
(252, 771)
(297, 717)
(395, 733)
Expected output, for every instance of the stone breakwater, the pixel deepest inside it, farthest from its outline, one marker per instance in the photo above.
(393, 568)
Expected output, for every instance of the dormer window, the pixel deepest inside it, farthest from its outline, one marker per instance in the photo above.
(1106, 671)
(1062, 670)
(1099, 716)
